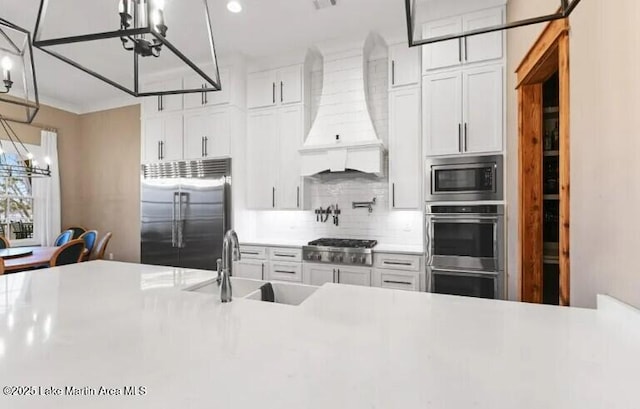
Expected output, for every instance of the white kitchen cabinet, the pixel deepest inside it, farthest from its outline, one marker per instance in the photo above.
(442, 106)
(212, 98)
(162, 138)
(164, 103)
(483, 47)
(319, 274)
(290, 137)
(261, 89)
(275, 87)
(207, 134)
(483, 110)
(464, 111)
(283, 271)
(290, 81)
(252, 269)
(462, 51)
(262, 152)
(396, 279)
(445, 53)
(404, 66)
(405, 147)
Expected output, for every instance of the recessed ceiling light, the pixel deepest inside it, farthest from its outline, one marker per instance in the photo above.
(234, 6)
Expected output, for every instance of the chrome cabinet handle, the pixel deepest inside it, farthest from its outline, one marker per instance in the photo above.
(466, 54)
(202, 147)
(254, 253)
(281, 91)
(466, 139)
(397, 263)
(393, 195)
(298, 197)
(459, 137)
(273, 197)
(206, 146)
(459, 49)
(262, 271)
(334, 275)
(283, 255)
(393, 72)
(338, 276)
(159, 153)
(202, 95)
(396, 282)
(274, 92)
(285, 272)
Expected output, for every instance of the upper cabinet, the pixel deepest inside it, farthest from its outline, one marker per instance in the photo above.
(163, 103)
(162, 138)
(468, 50)
(207, 134)
(212, 98)
(464, 111)
(275, 87)
(404, 66)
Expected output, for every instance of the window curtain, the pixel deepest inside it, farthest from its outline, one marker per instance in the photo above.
(46, 194)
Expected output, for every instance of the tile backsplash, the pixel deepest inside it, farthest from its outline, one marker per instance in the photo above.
(384, 225)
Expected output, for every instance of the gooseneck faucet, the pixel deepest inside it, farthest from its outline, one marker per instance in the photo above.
(230, 253)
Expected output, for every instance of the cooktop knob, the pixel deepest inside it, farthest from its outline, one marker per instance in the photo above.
(363, 259)
(354, 259)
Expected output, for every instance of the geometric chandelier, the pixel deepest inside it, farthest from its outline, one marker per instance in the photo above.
(22, 164)
(129, 43)
(19, 100)
(420, 12)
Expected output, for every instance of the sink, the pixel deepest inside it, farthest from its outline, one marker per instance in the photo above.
(285, 293)
(241, 287)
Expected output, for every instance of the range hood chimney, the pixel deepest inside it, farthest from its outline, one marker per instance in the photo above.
(342, 136)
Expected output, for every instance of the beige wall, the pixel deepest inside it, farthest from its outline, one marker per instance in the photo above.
(99, 157)
(109, 184)
(605, 122)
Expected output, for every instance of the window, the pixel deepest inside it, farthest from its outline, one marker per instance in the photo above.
(16, 204)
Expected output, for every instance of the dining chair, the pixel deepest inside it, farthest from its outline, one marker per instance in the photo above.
(4, 243)
(77, 231)
(64, 238)
(101, 248)
(69, 253)
(89, 238)
(1, 266)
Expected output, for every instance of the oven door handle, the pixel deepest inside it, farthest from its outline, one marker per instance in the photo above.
(480, 219)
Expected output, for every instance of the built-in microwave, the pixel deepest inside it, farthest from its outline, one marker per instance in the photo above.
(466, 178)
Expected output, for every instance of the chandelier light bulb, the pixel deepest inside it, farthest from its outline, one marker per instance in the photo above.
(159, 4)
(7, 64)
(29, 155)
(1, 151)
(121, 6)
(234, 6)
(156, 17)
(47, 160)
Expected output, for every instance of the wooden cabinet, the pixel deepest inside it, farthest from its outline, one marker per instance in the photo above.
(274, 137)
(253, 269)
(468, 50)
(262, 151)
(164, 103)
(319, 274)
(207, 134)
(404, 66)
(199, 100)
(275, 87)
(464, 111)
(405, 148)
(162, 140)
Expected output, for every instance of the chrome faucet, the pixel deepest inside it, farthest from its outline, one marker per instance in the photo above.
(230, 253)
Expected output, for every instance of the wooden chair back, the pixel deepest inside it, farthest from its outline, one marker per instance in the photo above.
(89, 237)
(77, 231)
(4, 243)
(69, 253)
(101, 248)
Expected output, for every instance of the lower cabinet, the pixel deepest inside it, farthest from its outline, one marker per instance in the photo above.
(285, 271)
(253, 269)
(319, 274)
(396, 279)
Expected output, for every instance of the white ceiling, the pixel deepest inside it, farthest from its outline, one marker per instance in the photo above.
(264, 28)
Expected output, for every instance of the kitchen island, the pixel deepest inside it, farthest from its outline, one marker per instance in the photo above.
(118, 325)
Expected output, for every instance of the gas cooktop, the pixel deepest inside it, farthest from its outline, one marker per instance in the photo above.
(340, 251)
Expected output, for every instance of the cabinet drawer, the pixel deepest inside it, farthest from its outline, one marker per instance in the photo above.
(397, 261)
(253, 252)
(285, 271)
(253, 269)
(285, 254)
(398, 280)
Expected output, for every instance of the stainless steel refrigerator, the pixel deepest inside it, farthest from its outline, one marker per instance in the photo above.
(185, 212)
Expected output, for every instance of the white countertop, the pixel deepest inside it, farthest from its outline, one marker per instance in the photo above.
(114, 324)
(379, 248)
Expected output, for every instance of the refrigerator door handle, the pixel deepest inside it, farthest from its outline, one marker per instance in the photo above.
(173, 221)
(180, 221)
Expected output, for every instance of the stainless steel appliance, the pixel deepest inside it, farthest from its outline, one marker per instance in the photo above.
(185, 211)
(466, 178)
(340, 251)
(465, 245)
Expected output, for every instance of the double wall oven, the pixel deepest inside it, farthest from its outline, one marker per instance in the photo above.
(465, 233)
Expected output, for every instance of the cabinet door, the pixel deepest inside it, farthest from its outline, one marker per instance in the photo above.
(249, 269)
(405, 164)
(151, 105)
(262, 153)
(442, 106)
(261, 89)
(318, 274)
(285, 271)
(217, 134)
(194, 133)
(404, 66)
(290, 83)
(171, 103)
(153, 136)
(291, 132)
(445, 53)
(483, 47)
(354, 276)
(173, 131)
(483, 109)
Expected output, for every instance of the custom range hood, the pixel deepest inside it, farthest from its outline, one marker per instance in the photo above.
(343, 137)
